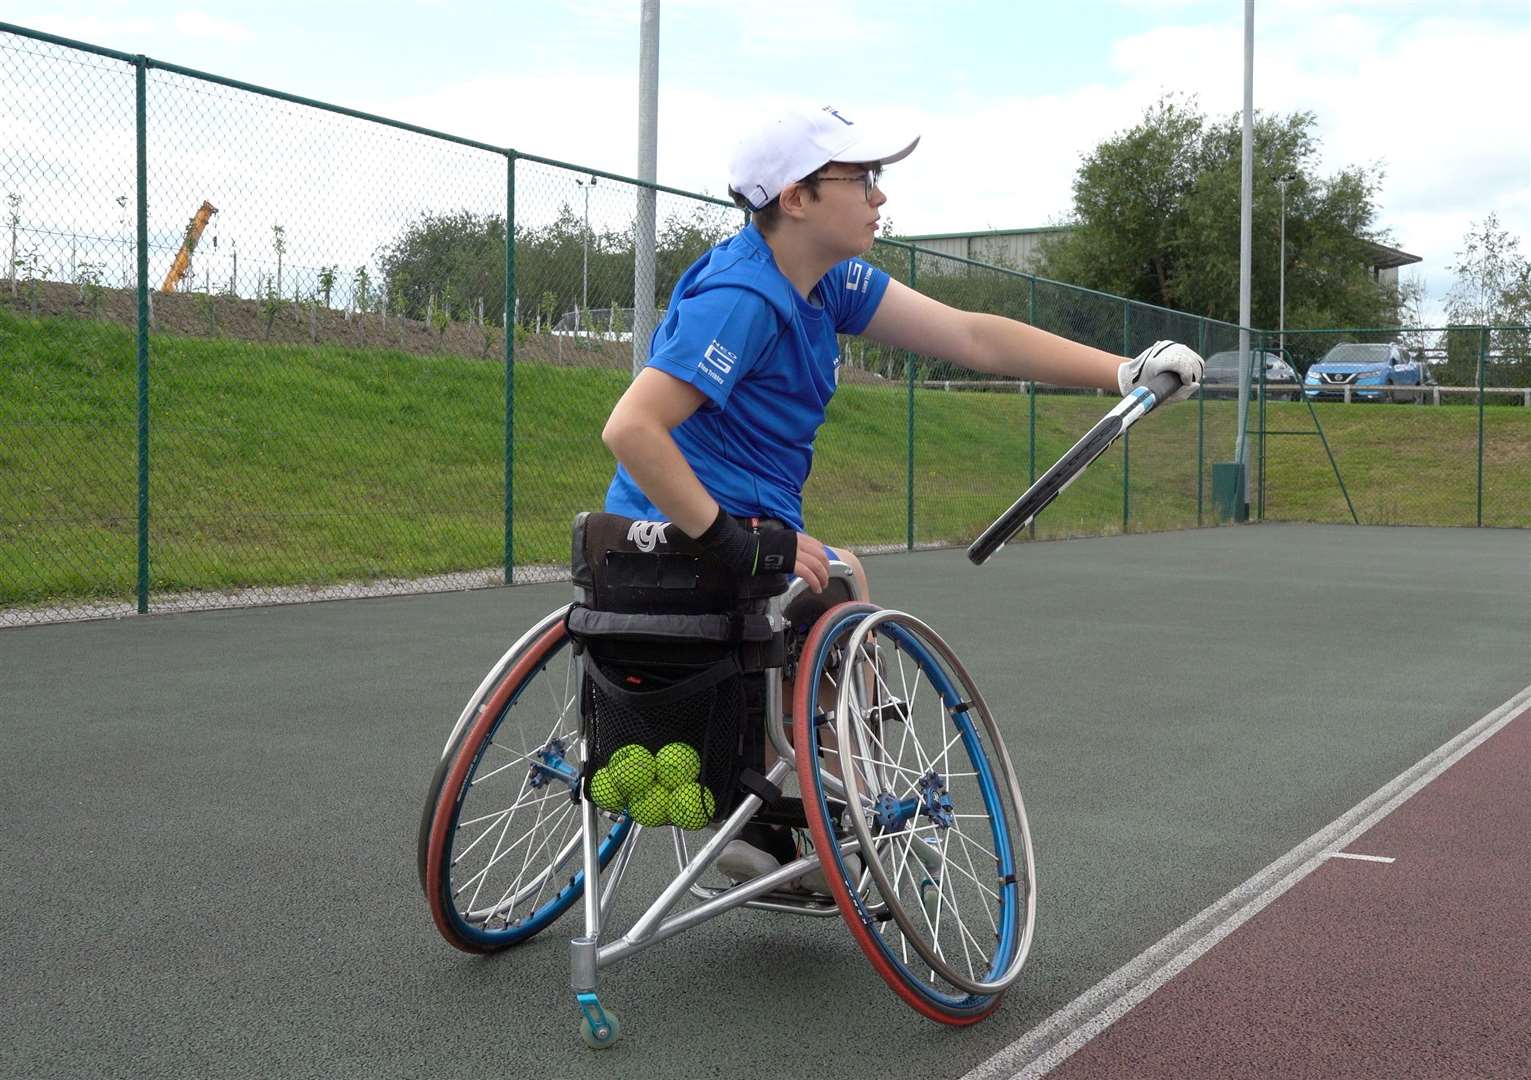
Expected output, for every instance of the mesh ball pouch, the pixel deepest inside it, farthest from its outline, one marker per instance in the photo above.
(626, 700)
(673, 648)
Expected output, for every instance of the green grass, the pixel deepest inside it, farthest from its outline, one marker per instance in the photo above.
(285, 465)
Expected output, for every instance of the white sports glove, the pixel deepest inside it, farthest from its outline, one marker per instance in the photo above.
(1162, 356)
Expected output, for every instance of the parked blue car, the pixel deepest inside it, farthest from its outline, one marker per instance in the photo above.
(1363, 368)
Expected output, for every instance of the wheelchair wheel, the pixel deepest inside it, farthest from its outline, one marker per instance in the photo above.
(500, 852)
(944, 901)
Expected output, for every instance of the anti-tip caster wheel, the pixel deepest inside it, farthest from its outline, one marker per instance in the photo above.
(604, 1036)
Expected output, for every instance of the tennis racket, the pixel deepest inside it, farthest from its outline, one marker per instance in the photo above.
(1066, 470)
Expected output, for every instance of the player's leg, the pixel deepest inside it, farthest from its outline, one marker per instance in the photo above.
(761, 848)
(849, 558)
(814, 880)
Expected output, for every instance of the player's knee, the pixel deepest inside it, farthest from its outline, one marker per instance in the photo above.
(849, 559)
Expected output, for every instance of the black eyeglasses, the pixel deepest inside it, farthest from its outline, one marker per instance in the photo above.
(867, 179)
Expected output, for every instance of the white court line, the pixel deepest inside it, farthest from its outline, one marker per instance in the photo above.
(1051, 1042)
(1363, 858)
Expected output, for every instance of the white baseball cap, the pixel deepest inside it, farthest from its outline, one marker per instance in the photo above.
(802, 140)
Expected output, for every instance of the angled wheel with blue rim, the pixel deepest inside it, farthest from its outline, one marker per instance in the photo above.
(500, 854)
(942, 896)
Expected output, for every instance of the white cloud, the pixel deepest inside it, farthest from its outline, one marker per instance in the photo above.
(1432, 97)
(1432, 102)
(1420, 100)
(94, 29)
(201, 25)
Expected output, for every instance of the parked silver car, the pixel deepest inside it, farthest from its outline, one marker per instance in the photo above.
(1222, 373)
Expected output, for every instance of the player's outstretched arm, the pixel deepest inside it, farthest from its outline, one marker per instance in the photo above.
(907, 319)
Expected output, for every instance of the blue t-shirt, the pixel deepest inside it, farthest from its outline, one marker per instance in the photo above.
(768, 361)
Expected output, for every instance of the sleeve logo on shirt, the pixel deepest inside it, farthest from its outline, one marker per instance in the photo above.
(717, 362)
(856, 277)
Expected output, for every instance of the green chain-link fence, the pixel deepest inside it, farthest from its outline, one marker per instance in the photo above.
(1415, 426)
(253, 348)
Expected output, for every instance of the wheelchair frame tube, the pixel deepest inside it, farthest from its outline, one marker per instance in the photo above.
(641, 930)
(776, 722)
(735, 897)
(807, 905)
(614, 875)
(587, 812)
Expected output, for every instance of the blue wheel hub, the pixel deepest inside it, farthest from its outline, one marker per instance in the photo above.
(887, 812)
(935, 800)
(550, 766)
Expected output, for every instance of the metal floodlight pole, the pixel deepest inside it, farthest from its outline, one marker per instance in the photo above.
(644, 314)
(584, 273)
(1246, 218)
(1282, 182)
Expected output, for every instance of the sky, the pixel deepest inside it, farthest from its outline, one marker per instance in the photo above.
(1007, 97)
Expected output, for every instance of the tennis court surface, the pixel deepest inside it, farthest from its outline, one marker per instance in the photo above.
(210, 827)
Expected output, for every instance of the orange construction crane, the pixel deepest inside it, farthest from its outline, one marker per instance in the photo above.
(188, 245)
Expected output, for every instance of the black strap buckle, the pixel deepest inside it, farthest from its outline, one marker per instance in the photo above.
(756, 784)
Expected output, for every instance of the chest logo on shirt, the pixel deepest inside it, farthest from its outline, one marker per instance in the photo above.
(647, 534)
(856, 277)
(717, 361)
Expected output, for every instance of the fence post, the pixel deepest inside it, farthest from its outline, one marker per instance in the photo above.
(1126, 435)
(1482, 360)
(1201, 421)
(1031, 395)
(1260, 474)
(909, 433)
(141, 123)
(510, 365)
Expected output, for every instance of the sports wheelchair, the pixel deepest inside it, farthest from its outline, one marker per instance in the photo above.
(906, 799)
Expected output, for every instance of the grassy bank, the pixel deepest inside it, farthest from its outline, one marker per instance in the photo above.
(283, 464)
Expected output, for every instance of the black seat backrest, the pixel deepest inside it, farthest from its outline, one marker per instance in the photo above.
(650, 567)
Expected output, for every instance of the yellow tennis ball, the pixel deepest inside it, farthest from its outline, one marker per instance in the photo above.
(692, 806)
(604, 790)
(651, 807)
(677, 764)
(632, 767)
(622, 752)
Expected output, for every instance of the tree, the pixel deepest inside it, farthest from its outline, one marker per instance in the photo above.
(460, 254)
(1492, 288)
(683, 240)
(1156, 218)
(1493, 285)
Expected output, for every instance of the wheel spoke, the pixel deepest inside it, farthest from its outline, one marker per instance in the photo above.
(482, 875)
(523, 838)
(524, 759)
(521, 801)
(501, 853)
(895, 768)
(969, 843)
(972, 875)
(545, 875)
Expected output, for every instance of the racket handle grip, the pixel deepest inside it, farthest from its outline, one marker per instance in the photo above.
(1163, 385)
